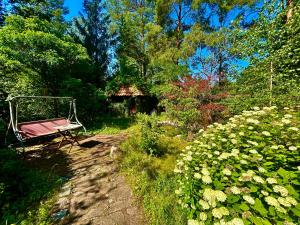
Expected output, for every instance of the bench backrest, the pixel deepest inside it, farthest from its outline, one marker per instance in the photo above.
(41, 128)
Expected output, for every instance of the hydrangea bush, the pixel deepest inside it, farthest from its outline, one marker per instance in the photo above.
(244, 172)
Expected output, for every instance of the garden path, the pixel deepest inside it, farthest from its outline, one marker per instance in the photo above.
(96, 193)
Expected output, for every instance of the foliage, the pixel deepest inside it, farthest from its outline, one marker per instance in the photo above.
(39, 53)
(51, 10)
(91, 30)
(22, 189)
(149, 134)
(152, 179)
(192, 103)
(273, 74)
(243, 172)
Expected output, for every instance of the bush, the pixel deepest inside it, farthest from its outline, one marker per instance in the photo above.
(149, 134)
(119, 108)
(244, 172)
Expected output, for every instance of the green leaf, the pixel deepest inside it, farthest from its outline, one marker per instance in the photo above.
(232, 198)
(259, 207)
(218, 185)
(283, 173)
(244, 207)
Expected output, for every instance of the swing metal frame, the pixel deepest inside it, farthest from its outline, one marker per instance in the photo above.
(63, 128)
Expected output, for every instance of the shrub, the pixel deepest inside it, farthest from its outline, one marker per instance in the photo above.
(149, 134)
(243, 172)
(192, 103)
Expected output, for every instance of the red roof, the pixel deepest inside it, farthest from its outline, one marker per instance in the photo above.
(128, 91)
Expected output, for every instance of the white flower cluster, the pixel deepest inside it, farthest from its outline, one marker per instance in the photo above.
(239, 159)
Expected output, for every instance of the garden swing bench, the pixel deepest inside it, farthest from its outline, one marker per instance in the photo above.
(26, 131)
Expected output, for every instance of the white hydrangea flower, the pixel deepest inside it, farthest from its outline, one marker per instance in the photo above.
(235, 190)
(193, 222)
(275, 147)
(285, 121)
(280, 189)
(291, 200)
(293, 128)
(249, 199)
(176, 170)
(253, 151)
(216, 152)
(220, 212)
(178, 192)
(272, 201)
(288, 116)
(205, 171)
(280, 209)
(298, 167)
(252, 143)
(180, 163)
(221, 196)
(232, 135)
(245, 177)
(197, 175)
(262, 170)
(243, 161)
(271, 180)
(292, 148)
(249, 120)
(203, 204)
(266, 133)
(224, 155)
(258, 179)
(224, 140)
(189, 158)
(265, 193)
(237, 221)
(234, 141)
(235, 151)
(206, 179)
(203, 216)
(226, 172)
(250, 128)
(210, 197)
(256, 108)
(284, 202)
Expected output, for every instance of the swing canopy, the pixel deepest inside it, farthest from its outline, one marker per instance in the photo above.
(39, 128)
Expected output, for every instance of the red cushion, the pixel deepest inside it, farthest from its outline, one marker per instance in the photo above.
(41, 127)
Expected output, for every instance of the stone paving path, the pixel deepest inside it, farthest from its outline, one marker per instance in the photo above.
(96, 193)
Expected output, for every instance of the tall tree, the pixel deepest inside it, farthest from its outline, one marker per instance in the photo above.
(44, 9)
(91, 30)
(211, 36)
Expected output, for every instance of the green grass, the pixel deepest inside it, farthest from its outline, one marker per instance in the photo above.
(111, 125)
(153, 179)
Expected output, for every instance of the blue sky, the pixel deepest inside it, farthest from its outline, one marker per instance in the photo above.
(74, 7)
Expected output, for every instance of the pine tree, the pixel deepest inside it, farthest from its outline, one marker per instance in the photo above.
(51, 10)
(91, 30)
